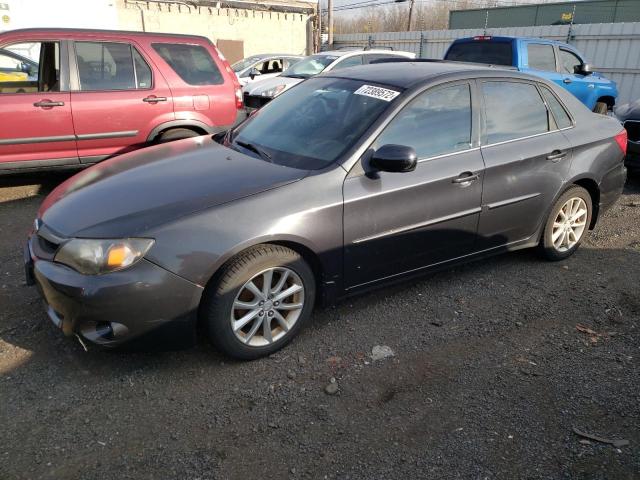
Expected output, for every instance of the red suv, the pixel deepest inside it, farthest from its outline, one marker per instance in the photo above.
(75, 97)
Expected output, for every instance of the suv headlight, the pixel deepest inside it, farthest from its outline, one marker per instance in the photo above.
(93, 257)
(275, 91)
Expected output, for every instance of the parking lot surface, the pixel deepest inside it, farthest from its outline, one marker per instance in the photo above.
(489, 369)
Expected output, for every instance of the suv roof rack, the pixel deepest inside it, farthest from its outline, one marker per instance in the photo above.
(365, 47)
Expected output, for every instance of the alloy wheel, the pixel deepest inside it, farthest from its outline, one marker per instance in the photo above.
(569, 224)
(267, 306)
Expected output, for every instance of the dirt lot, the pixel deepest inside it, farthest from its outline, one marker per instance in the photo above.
(495, 363)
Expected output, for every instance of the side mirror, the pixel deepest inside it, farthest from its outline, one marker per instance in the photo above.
(25, 68)
(254, 73)
(584, 69)
(394, 158)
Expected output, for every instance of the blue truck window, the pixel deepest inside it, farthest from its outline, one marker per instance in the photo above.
(541, 57)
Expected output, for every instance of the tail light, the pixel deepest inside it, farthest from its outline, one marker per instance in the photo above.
(234, 78)
(621, 140)
(482, 37)
(239, 99)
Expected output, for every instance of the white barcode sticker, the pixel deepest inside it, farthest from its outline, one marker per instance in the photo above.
(377, 92)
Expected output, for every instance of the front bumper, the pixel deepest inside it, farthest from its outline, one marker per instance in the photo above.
(142, 303)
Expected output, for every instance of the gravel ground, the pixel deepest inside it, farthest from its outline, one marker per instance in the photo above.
(494, 363)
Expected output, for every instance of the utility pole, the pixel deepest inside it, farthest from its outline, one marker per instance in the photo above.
(410, 23)
(330, 22)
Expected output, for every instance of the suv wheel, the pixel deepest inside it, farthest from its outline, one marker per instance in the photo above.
(567, 224)
(176, 134)
(261, 301)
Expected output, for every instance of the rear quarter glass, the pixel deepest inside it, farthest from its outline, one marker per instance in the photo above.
(192, 63)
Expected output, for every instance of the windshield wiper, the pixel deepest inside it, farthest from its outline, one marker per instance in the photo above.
(254, 148)
(294, 75)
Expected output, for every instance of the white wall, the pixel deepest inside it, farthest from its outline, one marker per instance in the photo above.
(59, 13)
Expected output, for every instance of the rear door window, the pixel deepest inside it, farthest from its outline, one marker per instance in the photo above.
(541, 57)
(111, 66)
(192, 63)
(481, 51)
(513, 110)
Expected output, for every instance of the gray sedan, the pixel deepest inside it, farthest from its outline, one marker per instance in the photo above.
(345, 182)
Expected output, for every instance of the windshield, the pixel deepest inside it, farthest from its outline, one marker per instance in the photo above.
(494, 53)
(242, 64)
(314, 123)
(310, 66)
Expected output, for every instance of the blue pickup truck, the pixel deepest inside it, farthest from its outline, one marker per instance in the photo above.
(555, 61)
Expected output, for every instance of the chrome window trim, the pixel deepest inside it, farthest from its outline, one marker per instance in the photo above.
(527, 137)
(450, 154)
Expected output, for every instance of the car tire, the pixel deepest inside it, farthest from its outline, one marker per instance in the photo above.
(601, 108)
(176, 134)
(273, 320)
(567, 224)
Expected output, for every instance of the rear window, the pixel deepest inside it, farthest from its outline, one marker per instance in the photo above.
(513, 110)
(481, 51)
(192, 63)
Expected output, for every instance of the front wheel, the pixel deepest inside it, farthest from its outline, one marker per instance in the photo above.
(567, 224)
(261, 300)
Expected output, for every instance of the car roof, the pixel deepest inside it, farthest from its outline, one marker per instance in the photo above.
(342, 53)
(407, 74)
(70, 32)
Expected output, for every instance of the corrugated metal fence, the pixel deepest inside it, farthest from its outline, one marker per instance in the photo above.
(612, 48)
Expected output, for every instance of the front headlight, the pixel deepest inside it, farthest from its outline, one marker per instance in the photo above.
(274, 92)
(93, 257)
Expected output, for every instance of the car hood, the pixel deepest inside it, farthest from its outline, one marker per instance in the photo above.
(259, 86)
(129, 194)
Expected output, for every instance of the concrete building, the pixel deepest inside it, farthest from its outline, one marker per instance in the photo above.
(239, 28)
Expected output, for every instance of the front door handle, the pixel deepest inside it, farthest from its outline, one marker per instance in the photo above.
(556, 156)
(48, 104)
(154, 99)
(465, 178)
(567, 80)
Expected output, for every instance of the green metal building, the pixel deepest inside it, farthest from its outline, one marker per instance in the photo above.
(600, 11)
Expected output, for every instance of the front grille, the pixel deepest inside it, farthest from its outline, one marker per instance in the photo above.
(45, 243)
(633, 130)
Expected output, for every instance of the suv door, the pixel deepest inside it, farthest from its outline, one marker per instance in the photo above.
(582, 86)
(117, 98)
(397, 222)
(527, 159)
(37, 128)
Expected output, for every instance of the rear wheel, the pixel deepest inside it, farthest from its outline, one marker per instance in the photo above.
(567, 224)
(261, 301)
(176, 134)
(601, 108)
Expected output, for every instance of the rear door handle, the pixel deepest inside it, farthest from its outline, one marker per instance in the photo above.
(466, 177)
(556, 155)
(48, 104)
(154, 99)
(567, 80)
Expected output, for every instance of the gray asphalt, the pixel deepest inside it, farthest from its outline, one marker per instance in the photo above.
(494, 364)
